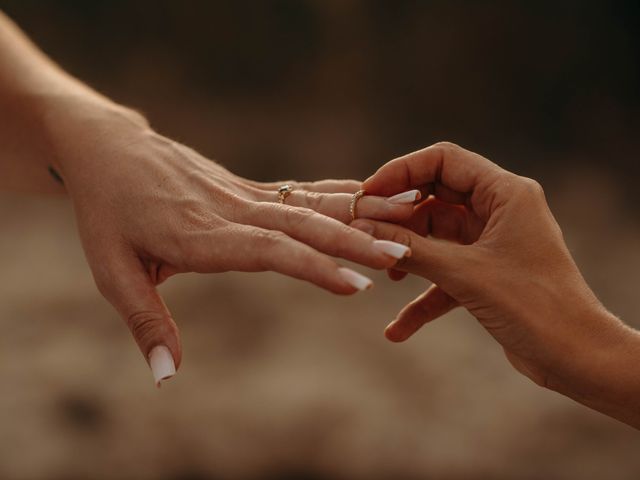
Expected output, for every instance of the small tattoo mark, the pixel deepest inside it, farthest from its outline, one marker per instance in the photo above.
(56, 176)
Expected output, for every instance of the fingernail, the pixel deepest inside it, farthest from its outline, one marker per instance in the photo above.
(405, 197)
(355, 279)
(162, 365)
(393, 249)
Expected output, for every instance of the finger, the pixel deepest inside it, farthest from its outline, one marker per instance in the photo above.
(247, 248)
(324, 234)
(427, 307)
(337, 205)
(443, 220)
(396, 275)
(125, 283)
(321, 186)
(438, 261)
(453, 167)
(443, 193)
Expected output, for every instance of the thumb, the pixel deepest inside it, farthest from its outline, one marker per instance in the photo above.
(126, 284)
(438, 261)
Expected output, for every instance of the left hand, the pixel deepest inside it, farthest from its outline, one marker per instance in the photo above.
(148, 208)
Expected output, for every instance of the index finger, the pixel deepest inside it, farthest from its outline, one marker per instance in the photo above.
(445, 165)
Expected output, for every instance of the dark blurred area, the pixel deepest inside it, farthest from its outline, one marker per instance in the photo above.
(526, 83)
(281, 381)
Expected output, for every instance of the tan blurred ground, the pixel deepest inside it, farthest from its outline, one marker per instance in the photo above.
(280, 377)
(281, 380)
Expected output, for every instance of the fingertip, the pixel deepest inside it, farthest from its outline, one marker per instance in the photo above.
(162, 364)
(370, 187)
(382, 182)
(405, 198)
(392, 333)
(343, 290)
(396, 275)
(396, 251)
(354, 279)
(369, 180)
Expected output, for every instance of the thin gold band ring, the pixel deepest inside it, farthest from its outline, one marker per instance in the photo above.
(354, 203)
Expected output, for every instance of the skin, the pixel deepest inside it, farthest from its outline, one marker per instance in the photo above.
(148, 207)
(487, 240)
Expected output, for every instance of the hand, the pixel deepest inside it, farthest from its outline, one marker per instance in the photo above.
(504, 259)
(148, 208)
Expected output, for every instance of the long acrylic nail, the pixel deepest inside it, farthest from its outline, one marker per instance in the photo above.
(405, 197)
(393, 249)
(355, 279)
(162, 365)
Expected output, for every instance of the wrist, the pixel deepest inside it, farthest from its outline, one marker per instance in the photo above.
(75, 126)
(597, 368)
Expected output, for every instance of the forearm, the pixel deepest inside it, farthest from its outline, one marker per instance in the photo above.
(603, 373)
(42, 108)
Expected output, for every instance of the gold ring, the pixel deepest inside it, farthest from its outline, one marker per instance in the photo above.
(354, 203)
(283, 192)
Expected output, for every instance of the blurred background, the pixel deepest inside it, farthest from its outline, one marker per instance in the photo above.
(280, 380)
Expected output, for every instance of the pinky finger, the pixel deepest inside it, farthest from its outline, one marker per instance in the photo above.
(427, 307)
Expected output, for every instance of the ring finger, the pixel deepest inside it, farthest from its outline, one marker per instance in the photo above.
(338, 205)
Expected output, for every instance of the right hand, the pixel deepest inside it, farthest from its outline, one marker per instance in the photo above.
(503, 258)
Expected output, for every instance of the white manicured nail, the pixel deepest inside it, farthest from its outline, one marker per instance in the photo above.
(405, 197)
(355, 279)
(161, 362)
(393, 249)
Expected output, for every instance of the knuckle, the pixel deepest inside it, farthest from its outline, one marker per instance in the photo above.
(195, 215)
(147, 325)
(268, 238)
(255, 194)
(267, 242)
(531, 187)
(235, 207)
(313, 200)
(189, 248)
(405, 239)
(296, 217)
(343, 237)
(249, 210)
(401, 237)
(447, 146)
(191, 255)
